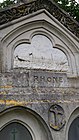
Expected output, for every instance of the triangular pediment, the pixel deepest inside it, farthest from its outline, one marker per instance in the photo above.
(29, 7)
(25, 20)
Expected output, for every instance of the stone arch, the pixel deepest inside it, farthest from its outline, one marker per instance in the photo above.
(15, 130)
(20, 41)
(45, 33)
(73, 117)
(51, 27)
(74, 130)
(29, 119)
(70, 57)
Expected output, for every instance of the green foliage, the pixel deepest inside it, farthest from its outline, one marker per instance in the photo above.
(6, 3)
(70, 6)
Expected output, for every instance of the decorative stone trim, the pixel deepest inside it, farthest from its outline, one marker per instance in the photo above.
(25, 8)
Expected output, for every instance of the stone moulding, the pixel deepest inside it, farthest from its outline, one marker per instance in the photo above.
(23, 9)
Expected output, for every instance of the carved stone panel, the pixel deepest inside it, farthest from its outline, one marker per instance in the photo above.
(56, 117)
(43, 78)
(40, 54)
(33, 78)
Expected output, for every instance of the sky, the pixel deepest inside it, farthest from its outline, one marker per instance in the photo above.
(75, 0)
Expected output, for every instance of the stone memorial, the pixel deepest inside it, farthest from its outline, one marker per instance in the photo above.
(39, 72)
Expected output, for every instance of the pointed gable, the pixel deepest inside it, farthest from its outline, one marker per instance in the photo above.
(28, 7)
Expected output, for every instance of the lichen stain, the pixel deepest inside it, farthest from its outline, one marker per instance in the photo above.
(12, 102)
(6, 86)
(3, 93)
(15, 103)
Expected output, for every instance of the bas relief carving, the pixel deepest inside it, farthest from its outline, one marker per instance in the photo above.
(40, 54)
(56, 117)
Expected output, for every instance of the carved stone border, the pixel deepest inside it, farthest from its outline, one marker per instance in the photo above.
(17, 11)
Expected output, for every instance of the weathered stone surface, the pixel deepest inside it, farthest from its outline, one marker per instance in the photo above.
(33, 78)
(37, 90)
(35, 86)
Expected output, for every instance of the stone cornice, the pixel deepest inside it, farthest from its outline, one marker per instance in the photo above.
(25, 8)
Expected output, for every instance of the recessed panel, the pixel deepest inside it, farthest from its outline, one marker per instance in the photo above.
(40, 54)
